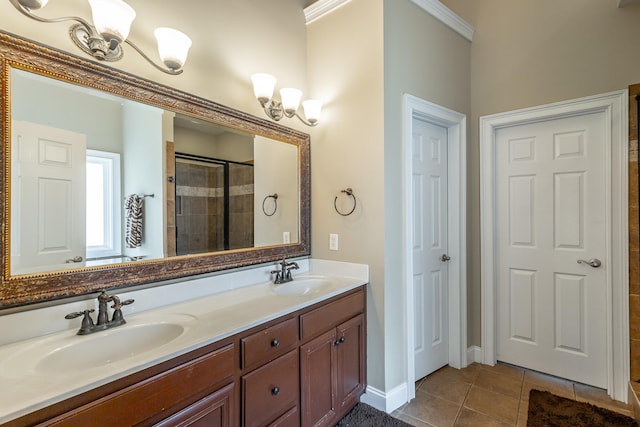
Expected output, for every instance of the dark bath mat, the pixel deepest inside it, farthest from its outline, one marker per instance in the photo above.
(549, 410)
(366, 416)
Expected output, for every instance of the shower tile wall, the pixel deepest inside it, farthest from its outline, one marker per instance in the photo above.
(200, 207)
(240, 206)
(634, 236)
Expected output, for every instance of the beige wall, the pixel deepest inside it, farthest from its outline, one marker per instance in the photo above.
(345, 51)
(527, 53)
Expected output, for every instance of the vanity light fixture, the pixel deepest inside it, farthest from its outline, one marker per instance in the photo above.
(263, 87)
(111, 23)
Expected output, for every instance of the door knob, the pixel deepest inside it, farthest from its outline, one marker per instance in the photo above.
(74, 259)
(445, 258)
(593, 262)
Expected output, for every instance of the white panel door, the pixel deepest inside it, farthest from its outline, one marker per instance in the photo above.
(551, 187)
(48, 198)
(430, 278)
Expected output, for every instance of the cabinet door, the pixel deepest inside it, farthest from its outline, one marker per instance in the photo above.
(318, 380)
(350, 363)
(214, 410)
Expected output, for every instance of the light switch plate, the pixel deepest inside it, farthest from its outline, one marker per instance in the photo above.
(333, 242)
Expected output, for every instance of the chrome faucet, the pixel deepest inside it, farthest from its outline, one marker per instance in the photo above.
(103, 322)
(284, 274)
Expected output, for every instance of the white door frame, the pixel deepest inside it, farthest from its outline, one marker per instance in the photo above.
(456, 125)
(614, 106)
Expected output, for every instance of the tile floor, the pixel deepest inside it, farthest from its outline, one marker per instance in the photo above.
(482, 395)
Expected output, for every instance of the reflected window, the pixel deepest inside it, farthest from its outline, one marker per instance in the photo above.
(103, 204)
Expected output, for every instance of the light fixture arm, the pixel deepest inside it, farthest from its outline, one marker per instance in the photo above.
(306, 122)
(150, 61)
(273, 109)
(87, 38)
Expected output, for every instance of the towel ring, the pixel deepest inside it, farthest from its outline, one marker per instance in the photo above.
(348, 192)
(274, 196)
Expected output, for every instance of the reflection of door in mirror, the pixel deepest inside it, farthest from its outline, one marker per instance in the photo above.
(48, 192)
(127, 132)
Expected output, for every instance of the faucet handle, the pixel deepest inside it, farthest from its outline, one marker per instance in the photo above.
(78, 314)
(87, 321)
(118, 305)
(117, 318)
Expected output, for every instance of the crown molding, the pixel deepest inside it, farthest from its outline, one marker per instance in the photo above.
(445, 15)
(321, 8)
(433, 7)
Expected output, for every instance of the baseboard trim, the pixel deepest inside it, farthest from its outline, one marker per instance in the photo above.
(474, 354)
(398, 396)
(387, 402)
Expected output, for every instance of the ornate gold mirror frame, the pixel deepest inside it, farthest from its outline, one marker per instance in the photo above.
(20, 290)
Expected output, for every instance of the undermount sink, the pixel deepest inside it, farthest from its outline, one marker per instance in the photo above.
(108, 346)
(63, 354)
(302, 285)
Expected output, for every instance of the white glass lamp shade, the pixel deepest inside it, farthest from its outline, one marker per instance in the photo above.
(112, 19)
(33, 4)
(312, 109)
(290, 100)
(263, 86)
(173, 47)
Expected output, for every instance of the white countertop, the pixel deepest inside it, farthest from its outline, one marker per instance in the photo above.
(205, 320)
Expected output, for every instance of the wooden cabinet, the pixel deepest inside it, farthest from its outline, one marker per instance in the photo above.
(332, 365)
(306, 368)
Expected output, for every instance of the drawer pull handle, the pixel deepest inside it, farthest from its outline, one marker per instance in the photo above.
(275, 391)
(275, 342)
(340, 341)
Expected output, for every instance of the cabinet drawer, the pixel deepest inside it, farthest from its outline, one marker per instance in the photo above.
(155, 395)
(324, 318)
(269, 343)
(271, 390)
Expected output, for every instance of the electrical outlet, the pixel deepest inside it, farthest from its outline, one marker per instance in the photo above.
(333, 242)
(286, 237)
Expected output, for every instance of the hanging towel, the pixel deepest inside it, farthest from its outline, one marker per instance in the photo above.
(133, 214)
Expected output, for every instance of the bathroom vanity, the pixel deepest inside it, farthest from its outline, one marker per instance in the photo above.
(255, 356)
(209, 340)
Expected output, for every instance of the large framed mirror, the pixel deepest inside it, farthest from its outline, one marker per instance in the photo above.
(110, 180)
